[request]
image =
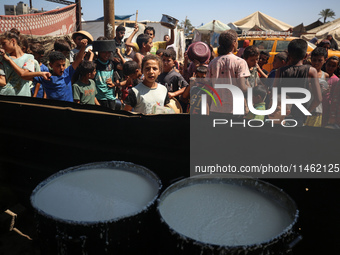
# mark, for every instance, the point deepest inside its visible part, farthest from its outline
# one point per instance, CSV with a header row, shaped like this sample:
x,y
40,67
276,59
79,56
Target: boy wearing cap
x,y
77,37
105,76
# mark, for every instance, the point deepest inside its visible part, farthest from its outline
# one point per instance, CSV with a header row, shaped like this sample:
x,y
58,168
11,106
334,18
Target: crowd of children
x,y
146,76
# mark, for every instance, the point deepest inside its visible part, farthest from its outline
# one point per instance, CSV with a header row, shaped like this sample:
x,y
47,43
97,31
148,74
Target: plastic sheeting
x,y
263,21
321,32
210,32
213,26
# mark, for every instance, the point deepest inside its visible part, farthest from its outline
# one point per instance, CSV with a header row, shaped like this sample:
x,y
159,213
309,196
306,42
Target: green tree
x,y
186,26
327,13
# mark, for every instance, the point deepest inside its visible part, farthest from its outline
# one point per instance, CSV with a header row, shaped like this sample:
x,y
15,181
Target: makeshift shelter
x,y
210,32
320,32
313,25
299,30
262,21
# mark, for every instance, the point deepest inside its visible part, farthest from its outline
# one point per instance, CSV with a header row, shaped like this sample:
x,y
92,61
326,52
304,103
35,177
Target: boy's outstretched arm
x,y
129,40
2,81
80,55
172,38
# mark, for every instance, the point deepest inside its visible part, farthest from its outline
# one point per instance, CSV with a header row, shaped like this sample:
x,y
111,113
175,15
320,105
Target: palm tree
x,y
327,13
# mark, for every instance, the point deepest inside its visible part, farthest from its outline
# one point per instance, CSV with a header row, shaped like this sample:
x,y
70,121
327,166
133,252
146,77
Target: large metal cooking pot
x,y
104,45
169,21
226,216
97,208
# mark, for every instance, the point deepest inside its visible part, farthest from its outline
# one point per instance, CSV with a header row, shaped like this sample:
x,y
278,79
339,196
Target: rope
x,y
12,228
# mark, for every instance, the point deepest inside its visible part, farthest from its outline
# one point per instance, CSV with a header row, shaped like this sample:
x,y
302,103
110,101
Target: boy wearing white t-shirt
x,y
149,93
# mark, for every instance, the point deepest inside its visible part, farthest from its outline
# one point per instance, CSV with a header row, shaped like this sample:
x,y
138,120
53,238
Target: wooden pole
x,y
78,15
109,19
136,16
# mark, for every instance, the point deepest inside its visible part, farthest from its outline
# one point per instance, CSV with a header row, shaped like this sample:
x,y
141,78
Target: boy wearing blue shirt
x,y
59,86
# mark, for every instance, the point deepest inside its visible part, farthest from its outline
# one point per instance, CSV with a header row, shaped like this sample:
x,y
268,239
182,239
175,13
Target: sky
x,y
292,12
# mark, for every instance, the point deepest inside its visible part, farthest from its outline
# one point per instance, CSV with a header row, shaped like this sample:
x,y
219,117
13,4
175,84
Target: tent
x,y
313,25
210,32
321,32
213,26
299,30
262,21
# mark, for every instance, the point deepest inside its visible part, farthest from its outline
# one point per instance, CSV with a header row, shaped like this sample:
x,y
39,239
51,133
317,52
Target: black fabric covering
x,y
40,137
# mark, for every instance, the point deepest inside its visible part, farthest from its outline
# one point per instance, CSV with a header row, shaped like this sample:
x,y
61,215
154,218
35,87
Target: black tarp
x,y
40,137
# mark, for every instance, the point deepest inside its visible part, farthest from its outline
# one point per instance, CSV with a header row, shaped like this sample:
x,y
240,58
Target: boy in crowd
x,y
104,80
173,81
263,60
251,56
149,93
318,59
151,32
59,86
259,95
280,60
84,89
133,77
38,52
297,52
193,92
227,67
77,37
64,47
144,42
118,56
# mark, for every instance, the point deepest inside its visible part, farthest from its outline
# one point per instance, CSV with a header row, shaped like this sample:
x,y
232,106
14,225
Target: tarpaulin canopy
x,y
119,17
213,26
313,25
320,32
261,20
210,32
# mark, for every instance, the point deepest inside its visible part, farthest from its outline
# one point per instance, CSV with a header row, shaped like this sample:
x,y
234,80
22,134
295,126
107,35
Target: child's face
x,y
277,63
257,99
263,60
151,71
168,64
148,45
58,67
331,66
93,74
317,62
137,74
120,35
104,55
150,33
8,45
252,61
37,56
77,40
